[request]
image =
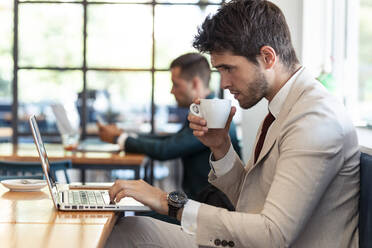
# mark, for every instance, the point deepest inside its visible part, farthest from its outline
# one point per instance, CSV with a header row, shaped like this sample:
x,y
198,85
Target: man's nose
x,y
225,82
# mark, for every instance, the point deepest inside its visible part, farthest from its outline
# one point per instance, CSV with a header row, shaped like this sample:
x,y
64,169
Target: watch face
x,y
178,197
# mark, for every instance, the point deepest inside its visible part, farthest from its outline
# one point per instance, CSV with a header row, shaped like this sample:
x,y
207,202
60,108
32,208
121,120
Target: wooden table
x,y
80,160
29,219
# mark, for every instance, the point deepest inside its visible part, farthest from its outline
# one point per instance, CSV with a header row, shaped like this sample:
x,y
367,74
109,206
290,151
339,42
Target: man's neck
x,y
282,77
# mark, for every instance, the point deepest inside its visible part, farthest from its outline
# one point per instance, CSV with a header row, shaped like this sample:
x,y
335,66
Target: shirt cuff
x,y
225,164
189,217
121,140
123,137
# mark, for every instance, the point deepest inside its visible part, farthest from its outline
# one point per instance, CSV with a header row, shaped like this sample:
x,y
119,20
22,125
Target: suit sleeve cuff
x,y
189,217
225,164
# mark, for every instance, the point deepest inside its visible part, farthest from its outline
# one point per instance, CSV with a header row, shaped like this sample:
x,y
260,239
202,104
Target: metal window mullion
x,y
15,75
119,3
151,164
84,109
89,69
153,70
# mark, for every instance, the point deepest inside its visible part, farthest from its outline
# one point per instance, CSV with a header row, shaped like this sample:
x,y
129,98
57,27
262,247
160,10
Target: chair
x,y
31,170
365,201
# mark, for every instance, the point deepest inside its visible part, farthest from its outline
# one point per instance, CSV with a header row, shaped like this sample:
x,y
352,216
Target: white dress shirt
x,y
224,165
123,137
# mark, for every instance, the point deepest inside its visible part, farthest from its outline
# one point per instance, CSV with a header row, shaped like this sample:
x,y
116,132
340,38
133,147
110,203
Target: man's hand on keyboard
x,y
143,192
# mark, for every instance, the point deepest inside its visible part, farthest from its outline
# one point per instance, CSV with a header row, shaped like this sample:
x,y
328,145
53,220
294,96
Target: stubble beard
x,y
255,91
184,102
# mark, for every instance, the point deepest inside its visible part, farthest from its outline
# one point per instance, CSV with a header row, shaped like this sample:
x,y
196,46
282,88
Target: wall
x,y
293,11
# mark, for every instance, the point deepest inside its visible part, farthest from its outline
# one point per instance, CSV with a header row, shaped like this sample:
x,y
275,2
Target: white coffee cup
x,y
70,141
214,111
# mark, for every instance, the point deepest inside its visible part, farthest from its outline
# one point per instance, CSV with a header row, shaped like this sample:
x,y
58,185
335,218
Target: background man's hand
x,y
108,133
143,192
218,140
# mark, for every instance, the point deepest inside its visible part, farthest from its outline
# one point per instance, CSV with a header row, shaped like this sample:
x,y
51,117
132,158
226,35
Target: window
x,y
352,57
6,68
108,58
365,61
337,45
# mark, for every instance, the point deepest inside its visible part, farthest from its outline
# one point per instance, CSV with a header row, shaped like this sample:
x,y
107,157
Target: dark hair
x,y
191,65
243,27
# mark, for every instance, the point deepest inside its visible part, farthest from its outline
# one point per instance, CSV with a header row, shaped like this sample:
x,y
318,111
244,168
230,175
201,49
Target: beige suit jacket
x,y
303,191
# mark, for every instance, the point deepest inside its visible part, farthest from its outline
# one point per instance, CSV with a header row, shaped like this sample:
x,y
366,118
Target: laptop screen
x,y
51,181
67,121
128,203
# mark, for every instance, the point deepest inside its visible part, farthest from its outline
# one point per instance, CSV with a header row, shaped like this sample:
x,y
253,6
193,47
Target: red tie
x,y
265,126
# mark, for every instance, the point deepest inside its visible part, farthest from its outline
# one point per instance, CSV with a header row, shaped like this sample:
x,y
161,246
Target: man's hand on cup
x,y
143,192
108,133
218,140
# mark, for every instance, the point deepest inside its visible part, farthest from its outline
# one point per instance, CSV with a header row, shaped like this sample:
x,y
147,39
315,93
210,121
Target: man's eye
x,y
227,68
224,69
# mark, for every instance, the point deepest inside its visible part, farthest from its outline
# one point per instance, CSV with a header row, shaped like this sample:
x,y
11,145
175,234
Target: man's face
x,y
244,79
181,89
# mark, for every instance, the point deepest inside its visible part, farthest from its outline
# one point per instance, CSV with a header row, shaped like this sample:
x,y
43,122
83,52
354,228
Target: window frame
x,y
84,68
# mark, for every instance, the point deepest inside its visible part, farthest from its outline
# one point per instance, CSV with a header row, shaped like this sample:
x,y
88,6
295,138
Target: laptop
x,y
78,200
67,126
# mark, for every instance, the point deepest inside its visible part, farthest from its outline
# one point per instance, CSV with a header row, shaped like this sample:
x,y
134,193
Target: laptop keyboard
x,y
87,197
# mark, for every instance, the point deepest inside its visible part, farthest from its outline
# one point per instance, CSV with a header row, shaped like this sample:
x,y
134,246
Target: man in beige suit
x,y
301,186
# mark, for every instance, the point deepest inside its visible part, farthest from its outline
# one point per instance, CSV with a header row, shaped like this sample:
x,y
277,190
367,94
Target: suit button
x,y
231,243
217,242
224,243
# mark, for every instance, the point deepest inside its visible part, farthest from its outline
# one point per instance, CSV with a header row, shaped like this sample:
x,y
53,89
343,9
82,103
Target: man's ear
x,y
268,57
196,81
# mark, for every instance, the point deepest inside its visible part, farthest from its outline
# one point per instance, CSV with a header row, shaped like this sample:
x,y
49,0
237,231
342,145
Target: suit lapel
x,y
272,134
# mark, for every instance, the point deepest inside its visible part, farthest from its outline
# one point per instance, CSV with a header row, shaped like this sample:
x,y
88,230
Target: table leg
x,y
151,176
83,176
137,173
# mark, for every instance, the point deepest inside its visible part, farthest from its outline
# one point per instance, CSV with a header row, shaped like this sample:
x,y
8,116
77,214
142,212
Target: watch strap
x,y
172,211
